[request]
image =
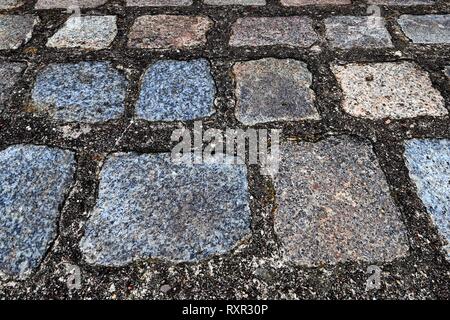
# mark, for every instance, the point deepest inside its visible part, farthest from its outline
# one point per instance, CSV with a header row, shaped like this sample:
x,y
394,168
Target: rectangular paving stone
x,y
34,183
10,4
394,90
235,2
271,89
88,92
402,2
293,31
150,207
16,30
10,73
314,2
68,4
177,90
334,204
432,28
158,3
169,32
347,32
88,32
428,163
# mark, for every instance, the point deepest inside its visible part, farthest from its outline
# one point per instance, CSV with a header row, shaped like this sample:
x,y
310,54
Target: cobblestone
x,y
388,90
10,4
16,30
273,90
314,2
289,31
83,92
177,90
189,212
431,28
9,75
402,2
34,182
428,163
334,205
236,2
158,3
67,4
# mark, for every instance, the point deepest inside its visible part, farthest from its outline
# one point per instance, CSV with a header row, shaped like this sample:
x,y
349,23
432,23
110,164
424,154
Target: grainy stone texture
x,y
9,75
177,90
236,2
66,4
428,163
10,4
34,182
402,2
447,72
314,2
273,90
388,90
347,32
150,207
431,28
88,32
83,92
169,32
16,30
334,205
158,3
267,31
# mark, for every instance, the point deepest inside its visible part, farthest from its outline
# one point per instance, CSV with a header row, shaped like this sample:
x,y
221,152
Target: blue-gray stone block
x,y
177,90
33,183
150,207
87,92
428,162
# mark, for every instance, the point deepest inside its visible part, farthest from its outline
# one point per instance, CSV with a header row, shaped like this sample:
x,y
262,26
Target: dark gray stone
x,y
432,28
149,206
10,73
34,182
16,30
82,92
177,90
428,162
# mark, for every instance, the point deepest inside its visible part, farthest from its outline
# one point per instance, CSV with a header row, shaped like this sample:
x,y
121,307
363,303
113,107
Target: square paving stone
x,y
34,183
169,32
428,162
10,4
82,92
16,30
273,90
347,32
89,32
314,2
10,73
150,207
334,204
68,4
289,31
431,28
393,90
402,2
236,2
158,3
177,90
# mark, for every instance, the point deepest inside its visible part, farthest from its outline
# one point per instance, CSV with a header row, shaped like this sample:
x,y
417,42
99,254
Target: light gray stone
x,y
34,183
402,2
447,72
432,28
158,3
68,4
83,92
16,30
88,32
10,73
393,90
296,3
428,162
273,90
334,204
10,4
150,207
236,2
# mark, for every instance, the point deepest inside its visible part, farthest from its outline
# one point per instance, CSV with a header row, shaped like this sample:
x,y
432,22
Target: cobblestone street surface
x,y
92,205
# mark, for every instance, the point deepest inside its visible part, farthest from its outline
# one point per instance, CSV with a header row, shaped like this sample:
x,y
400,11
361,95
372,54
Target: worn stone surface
x,y
431,28
150,207
158,3
16,30
67,4
334,204
428,162
9,75
314,2
10,4
236,2
88,32
273,90
177,90
447,72
402,2
290,31
347,32
393,90
34,183
169,32
83,92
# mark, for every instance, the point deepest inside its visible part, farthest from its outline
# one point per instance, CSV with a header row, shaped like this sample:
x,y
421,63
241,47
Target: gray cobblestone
x,y
67,4
16,30
295,3
427,28
10,4
158,3
9,75
402,2
236,2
